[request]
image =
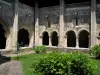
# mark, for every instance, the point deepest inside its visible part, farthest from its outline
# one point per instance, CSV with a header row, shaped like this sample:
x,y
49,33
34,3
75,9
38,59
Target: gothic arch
x,y
71,38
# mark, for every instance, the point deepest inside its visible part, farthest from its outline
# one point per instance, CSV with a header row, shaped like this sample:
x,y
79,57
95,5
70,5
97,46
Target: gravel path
x,y
11,68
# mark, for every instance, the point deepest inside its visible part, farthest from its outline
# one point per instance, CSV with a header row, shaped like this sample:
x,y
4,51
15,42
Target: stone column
x,y
93,22
89,41
36,24
61,24
77,41
15,25
50,41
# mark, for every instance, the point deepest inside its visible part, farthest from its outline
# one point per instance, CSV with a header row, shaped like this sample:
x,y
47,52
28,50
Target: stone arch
x,y
81,30
45,40
5,26
54,38
71,39
31,33
23,37
28,29
4,33
83,39
44,32
54,31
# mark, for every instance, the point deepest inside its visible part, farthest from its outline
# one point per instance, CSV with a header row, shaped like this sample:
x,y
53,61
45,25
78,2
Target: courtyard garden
x,y
60,63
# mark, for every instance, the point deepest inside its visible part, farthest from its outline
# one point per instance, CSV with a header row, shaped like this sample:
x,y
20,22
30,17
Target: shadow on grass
x,y
4,59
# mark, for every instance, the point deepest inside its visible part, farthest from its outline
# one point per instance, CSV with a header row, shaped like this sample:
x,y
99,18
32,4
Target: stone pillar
x,y
36,24
77,41
65,41
31,42
93,22
15,25
40,40
61,24
50,41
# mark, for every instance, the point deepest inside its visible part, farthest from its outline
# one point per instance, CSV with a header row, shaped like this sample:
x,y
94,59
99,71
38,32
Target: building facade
x,y
75,25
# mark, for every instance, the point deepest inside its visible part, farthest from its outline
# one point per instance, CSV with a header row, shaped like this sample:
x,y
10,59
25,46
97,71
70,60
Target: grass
x,y
28,60
97,63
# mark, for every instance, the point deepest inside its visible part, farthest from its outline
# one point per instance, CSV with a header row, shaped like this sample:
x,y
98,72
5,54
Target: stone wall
x,y
84,15
26,21
48,20
49,15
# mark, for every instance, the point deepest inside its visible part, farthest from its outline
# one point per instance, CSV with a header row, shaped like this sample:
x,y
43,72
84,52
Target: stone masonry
x,y
61,19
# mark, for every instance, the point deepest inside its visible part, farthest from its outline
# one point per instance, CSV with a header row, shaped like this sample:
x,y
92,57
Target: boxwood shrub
x,y
40,49
65,64
96,51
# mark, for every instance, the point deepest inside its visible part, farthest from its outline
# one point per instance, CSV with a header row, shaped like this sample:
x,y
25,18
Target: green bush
x,y
65,64
96,51
40,49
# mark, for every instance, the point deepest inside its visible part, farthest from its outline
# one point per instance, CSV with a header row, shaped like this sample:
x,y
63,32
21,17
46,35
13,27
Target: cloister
x,y
59,23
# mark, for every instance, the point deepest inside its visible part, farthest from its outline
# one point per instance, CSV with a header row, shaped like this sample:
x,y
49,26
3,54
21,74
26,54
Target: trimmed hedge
x,y
96,51
65,64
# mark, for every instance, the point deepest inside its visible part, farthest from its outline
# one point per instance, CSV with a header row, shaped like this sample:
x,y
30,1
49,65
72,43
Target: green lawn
x,y
28,60
97,63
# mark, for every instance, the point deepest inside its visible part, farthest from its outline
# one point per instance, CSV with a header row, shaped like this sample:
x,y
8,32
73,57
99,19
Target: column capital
x,y
89,36
65,36
41,36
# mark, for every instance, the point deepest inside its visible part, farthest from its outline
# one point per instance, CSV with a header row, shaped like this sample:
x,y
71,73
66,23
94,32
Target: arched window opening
x,y
84,39
45,40
2,38
23,37
54,39
71,39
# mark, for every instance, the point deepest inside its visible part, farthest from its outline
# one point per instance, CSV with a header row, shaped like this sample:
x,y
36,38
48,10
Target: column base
x,y
77,47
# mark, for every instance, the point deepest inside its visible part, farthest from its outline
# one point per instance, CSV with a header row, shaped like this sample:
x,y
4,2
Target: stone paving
x,y
11,68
